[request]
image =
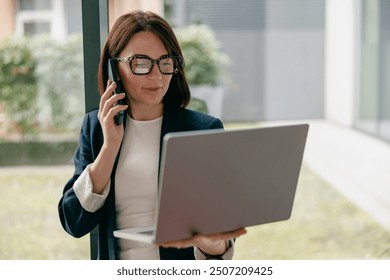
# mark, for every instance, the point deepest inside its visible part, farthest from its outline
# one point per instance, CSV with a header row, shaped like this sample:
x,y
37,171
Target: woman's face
x,y
144,90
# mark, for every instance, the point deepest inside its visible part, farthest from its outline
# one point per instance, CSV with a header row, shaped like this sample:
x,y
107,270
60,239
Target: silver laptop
x,y
215,181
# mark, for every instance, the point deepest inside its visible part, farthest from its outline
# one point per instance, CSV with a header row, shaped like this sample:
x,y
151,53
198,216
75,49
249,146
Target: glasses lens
x,y
167,65
143,65
140,65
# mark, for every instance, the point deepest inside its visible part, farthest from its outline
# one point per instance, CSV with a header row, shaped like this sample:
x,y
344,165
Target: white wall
x,y
117,8
341,53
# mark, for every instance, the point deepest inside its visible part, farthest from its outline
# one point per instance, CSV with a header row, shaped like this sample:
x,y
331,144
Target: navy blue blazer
x,y
79,222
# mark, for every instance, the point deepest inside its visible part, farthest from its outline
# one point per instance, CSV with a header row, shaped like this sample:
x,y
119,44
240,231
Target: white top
x,y
136,184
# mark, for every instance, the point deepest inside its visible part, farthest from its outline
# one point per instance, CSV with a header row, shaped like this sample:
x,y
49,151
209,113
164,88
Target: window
x,y
31,5
267,41
40,16
33,28
373,109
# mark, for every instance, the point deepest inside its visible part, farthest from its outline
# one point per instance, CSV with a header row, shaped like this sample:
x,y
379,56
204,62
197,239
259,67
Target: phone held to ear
x,y
113,76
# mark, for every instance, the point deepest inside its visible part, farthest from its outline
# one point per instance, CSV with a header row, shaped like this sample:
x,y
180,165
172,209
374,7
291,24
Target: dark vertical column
x,y
95,30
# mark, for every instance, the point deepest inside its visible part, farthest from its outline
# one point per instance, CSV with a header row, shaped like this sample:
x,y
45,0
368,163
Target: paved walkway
x,y
356,164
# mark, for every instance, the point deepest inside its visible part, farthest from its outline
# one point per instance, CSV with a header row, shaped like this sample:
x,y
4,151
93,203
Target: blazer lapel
x,y
172,122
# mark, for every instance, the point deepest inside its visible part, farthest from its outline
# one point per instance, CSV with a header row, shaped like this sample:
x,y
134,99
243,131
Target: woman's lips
x,y
153,88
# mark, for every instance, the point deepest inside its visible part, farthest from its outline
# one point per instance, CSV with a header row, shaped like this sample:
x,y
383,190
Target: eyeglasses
x,y
143,64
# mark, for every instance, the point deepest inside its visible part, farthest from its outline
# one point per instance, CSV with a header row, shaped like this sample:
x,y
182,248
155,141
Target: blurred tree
x,y
61,80
205,66
204,61
18,84
42,83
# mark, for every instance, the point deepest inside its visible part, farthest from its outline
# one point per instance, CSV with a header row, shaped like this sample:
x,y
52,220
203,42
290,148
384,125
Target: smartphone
x,y
113,76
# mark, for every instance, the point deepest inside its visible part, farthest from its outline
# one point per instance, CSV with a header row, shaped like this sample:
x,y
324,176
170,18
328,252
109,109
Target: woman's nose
x,y
155,73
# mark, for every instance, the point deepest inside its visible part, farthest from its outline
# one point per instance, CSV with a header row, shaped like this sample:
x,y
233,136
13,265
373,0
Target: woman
x,y
116,166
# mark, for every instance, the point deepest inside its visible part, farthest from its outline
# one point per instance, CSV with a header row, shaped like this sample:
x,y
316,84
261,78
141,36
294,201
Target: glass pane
x,y
41,110
373,112
34,28
384,122
263,42
31,5
368,99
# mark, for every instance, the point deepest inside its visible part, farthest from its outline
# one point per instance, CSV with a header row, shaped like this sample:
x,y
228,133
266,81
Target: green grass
x,y
30,227
323,225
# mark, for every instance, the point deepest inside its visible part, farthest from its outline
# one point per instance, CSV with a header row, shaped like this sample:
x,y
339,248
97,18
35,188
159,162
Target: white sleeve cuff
x,y
228,255
90,201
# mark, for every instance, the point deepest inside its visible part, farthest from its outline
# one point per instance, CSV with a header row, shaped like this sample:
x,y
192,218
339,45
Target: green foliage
x,y
39,72
205,63
199,105
61,79
61,76
36,153
18,83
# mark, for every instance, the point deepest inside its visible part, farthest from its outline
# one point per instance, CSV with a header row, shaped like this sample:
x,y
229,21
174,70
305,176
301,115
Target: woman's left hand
x,y
213,244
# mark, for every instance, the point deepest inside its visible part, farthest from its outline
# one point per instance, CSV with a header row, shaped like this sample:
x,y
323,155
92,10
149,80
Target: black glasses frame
x,y
176,60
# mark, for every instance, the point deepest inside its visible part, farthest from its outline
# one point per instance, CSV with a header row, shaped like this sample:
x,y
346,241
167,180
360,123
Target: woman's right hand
x,y
101,168
112,132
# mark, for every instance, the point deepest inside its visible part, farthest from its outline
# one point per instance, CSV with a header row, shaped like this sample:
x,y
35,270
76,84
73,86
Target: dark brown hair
x,y
178,94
